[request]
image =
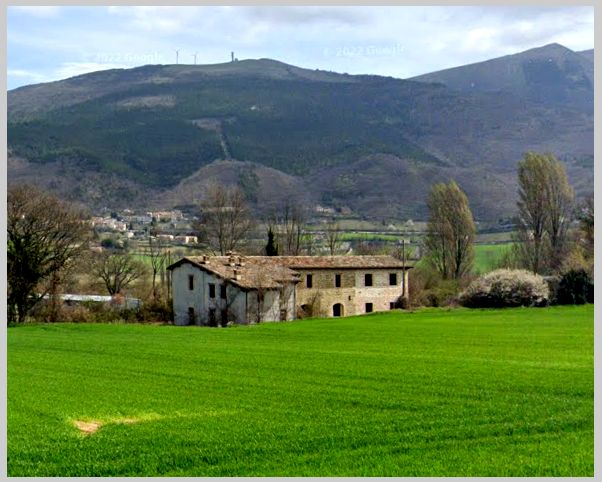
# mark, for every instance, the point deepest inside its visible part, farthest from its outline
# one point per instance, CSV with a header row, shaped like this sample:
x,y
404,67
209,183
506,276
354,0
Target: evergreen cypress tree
x,y
271,248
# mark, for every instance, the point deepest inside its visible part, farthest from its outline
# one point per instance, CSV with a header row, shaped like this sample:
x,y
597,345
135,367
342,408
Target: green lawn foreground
x,y
432,393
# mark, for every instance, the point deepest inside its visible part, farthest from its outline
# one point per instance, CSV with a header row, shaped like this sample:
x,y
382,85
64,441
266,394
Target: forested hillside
x,y
373,144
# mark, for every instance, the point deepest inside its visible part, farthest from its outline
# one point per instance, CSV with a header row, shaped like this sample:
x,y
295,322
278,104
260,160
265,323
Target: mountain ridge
x,y
321,136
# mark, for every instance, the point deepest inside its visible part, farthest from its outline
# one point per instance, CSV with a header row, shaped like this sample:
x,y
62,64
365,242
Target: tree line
x,y
542,243
48,238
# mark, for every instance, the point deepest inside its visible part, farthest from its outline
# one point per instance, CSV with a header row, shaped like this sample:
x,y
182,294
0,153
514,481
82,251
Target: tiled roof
x,y
245,272
339,262
271,271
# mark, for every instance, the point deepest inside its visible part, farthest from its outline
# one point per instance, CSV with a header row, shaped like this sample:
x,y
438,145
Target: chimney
x,y
237,275
241,261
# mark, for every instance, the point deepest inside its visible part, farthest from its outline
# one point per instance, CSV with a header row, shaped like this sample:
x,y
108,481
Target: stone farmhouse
x,y
215,290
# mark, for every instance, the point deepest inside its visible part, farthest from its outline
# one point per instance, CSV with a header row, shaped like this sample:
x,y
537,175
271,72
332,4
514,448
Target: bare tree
x,y
117,271
44,236
158,258
559,198
586,225
289,225
225,218
450,232
544,206
333,237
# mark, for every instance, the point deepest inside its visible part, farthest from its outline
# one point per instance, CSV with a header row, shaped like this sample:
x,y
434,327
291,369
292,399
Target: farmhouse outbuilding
x,y
214,290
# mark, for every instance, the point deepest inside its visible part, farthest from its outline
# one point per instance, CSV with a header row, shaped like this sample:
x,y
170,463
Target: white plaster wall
x,y
198,298
271,305
183,297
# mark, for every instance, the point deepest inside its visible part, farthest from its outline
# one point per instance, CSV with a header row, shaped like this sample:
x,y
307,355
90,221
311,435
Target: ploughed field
x,y
431,393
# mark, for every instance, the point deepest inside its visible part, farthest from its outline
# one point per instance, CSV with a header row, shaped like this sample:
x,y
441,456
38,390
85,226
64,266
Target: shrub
x,y
575,288
156,310
426,288
553,282
506,288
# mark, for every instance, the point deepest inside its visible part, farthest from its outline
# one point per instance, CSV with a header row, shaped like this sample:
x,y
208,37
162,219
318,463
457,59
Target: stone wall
x,y
353,295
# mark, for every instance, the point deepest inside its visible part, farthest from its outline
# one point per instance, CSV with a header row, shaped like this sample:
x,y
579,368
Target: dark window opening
x,y
309,281
337,309
367,280
306,311
190,282
191,317
393,279
369,308
211,290
212,319
222,292
337,280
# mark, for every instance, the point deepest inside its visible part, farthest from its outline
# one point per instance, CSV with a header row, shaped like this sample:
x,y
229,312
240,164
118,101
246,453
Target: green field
x,y
487,256
431,393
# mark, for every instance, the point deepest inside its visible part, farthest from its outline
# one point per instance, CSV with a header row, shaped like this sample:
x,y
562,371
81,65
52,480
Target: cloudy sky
x,y
51,43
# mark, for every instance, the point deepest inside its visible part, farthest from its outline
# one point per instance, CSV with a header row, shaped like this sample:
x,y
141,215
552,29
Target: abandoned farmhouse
x,y
216,290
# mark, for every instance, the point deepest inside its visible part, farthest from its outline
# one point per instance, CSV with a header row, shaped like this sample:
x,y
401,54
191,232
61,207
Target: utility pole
x,y
403,264
177,56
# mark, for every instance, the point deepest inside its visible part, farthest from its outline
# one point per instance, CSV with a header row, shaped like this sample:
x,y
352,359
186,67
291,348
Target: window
x,y
222,292
369,308
393,279
337,280
211,290
190,282
367,279
337,309
309,281
191,317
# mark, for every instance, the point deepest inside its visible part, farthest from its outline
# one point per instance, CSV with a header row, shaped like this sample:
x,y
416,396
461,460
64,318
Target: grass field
x,y
487,256
498,392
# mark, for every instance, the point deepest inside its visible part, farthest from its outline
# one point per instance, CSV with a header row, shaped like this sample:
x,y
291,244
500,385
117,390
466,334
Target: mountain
x,y
550,75
155,135
588,54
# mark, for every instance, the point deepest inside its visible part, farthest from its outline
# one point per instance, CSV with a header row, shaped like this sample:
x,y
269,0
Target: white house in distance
x,y
213,290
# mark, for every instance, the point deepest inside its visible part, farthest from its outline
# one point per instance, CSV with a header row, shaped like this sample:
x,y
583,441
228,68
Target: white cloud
x,y
28,75
401,41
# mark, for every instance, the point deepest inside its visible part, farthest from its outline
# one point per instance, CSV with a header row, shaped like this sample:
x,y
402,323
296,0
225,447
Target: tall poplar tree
x,y
451,231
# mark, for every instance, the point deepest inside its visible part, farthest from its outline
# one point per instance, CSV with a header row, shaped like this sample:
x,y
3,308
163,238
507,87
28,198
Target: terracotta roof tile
x,y
249,274
271,272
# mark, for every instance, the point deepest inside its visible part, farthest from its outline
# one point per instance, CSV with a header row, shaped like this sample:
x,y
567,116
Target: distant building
x,y
221,289
117,301
186,239
166,216
108,224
